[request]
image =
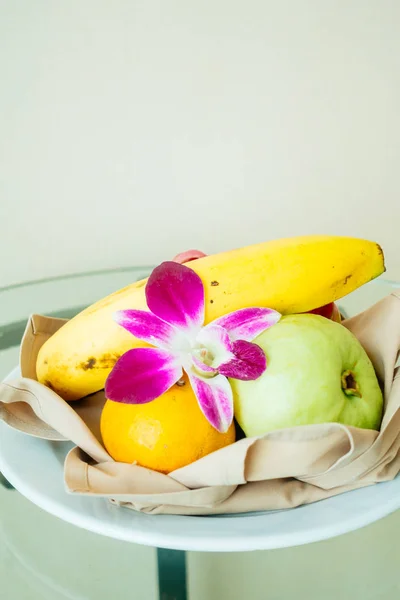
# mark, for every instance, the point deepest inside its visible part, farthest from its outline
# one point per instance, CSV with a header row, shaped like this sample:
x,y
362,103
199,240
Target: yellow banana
x,y
290,275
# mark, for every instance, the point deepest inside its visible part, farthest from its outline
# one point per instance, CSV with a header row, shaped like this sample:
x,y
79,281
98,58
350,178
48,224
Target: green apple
x,y
317,372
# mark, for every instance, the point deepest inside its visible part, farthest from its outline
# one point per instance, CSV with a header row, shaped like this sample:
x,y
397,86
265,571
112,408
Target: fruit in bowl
x,y
317,372
164,435
174,351
293,275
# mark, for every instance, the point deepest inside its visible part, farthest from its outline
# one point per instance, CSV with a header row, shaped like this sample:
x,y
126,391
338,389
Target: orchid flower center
x,y
206,356
200,355
208,353
203,361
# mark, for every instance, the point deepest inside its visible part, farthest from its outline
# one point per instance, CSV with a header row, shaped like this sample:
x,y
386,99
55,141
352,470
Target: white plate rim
x,y
206,533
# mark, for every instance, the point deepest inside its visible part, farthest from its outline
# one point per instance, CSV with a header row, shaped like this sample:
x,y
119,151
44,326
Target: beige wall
x,y
130,130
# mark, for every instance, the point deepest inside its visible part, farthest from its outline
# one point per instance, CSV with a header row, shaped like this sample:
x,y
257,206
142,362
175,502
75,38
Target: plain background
x,y
134,129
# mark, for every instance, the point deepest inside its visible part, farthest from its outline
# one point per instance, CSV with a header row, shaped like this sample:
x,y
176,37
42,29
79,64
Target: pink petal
x,y
175,293
147,327
215,400
247,323
189,255
217,342
249,363
141,375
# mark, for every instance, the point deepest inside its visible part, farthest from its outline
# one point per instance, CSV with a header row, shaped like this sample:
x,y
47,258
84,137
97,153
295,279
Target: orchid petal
x,y
215,399
247,323
216,341
249,363
141,375
189,255
147,327
175,293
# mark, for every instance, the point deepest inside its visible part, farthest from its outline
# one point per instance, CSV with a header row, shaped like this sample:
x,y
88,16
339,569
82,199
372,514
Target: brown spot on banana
x,y
347,278
89,364
106,361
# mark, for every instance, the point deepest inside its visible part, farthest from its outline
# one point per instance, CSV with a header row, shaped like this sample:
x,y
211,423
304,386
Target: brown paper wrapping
x,y
280,470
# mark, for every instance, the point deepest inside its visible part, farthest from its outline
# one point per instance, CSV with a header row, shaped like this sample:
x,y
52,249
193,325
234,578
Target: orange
x,y
163,435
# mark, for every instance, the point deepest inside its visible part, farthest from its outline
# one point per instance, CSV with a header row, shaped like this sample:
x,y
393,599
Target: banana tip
x,y
382,255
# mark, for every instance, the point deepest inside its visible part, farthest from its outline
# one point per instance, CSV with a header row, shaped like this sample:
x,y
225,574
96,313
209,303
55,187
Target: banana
x,y
290,275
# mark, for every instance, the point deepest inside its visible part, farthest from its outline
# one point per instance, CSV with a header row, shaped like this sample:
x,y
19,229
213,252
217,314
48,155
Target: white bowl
x,y
21,455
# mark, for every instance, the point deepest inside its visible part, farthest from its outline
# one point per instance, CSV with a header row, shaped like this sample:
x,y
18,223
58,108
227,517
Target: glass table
x,y
44,557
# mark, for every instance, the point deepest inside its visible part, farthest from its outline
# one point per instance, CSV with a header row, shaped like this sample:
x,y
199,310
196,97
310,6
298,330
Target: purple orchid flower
x,y
209,354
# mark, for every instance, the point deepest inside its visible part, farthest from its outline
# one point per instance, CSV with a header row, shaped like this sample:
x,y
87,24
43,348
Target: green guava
x,y
317,372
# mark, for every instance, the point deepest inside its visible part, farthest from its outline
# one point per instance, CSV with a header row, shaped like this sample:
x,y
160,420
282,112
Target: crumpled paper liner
x,y
282,469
